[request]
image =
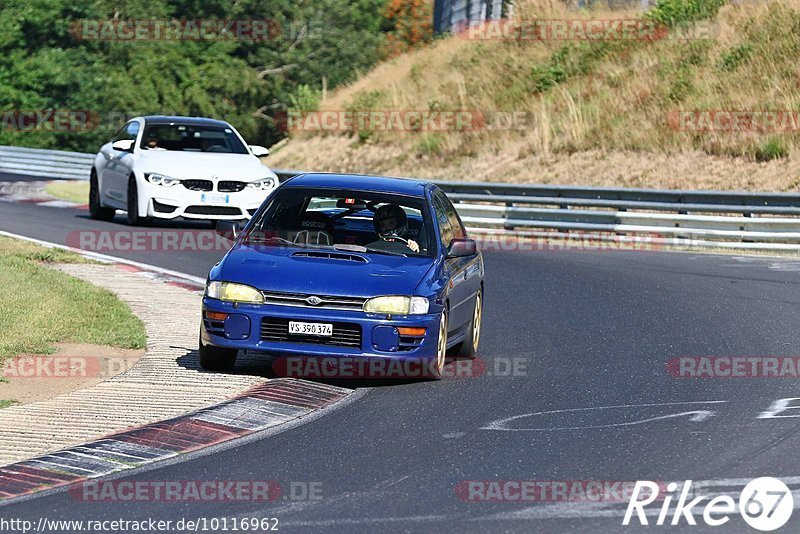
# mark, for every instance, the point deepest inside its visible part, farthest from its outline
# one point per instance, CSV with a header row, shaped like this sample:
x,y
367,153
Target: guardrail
x,y
719,219
45,163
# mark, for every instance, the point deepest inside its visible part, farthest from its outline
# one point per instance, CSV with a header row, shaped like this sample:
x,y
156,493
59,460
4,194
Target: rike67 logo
x,y
765,503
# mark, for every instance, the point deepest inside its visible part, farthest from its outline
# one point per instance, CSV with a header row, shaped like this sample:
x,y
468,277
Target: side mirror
x,y
125,145
259,151
227,229
460,248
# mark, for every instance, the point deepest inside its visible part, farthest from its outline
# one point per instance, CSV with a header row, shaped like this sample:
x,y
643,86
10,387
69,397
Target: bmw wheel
x,y
96,209
133,205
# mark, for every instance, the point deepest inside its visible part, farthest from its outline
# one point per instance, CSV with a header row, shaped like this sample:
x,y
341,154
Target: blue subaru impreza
x,y
346,267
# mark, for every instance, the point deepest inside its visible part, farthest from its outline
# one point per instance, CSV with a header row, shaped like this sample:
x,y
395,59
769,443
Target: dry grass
x,y
72,191
604,121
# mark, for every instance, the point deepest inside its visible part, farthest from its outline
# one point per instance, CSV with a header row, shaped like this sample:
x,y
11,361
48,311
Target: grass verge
x,y
71,191
40,306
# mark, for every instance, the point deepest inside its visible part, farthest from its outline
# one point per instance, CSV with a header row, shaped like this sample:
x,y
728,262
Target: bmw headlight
x,y
397,305
160,179
267,184
230,292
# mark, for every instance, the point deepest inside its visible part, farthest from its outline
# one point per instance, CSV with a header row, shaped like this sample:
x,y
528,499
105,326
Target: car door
x,y
472,269
454,267
119,164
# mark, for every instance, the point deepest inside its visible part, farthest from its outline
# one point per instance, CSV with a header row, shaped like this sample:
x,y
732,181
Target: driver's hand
x,y
413,245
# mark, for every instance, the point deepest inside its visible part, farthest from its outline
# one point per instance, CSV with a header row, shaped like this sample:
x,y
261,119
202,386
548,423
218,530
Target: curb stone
x,y
166,383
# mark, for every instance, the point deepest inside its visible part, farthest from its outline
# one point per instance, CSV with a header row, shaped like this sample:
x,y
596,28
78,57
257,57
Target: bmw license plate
x,y
215,198
311,329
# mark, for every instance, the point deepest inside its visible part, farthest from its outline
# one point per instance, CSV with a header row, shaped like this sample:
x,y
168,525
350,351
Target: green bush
x,y
363,101
731,59
304,98
671,13
772,149
430,144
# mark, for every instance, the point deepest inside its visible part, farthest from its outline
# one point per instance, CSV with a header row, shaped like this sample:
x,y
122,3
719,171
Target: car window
x,y
192,138
445,226
455,222
128,132
321,218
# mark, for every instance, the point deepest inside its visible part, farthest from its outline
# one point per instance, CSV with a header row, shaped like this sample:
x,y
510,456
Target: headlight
x,y
231,292
266,184
160,179
397,305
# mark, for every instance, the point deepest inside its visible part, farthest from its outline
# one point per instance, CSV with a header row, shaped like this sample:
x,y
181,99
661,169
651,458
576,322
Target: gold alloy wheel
x,y
441,348
476,322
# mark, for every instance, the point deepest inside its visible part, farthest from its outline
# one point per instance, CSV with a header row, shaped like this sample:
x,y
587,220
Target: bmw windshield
x,y
192,138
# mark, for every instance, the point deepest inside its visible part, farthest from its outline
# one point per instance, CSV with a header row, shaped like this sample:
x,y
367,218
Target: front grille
x,y
231,187
325,301
212,210
344,334
198,185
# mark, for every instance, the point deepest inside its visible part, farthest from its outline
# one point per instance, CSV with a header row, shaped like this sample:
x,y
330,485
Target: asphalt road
x,y
591,334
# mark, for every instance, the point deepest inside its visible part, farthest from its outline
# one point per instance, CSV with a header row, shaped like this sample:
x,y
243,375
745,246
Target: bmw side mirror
x,y
259,151
460,248
125,145
228,229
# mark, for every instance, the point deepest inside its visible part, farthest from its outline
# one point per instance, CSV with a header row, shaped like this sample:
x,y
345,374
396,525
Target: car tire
x,y
440,358
133,205
217,359
96,209
469,347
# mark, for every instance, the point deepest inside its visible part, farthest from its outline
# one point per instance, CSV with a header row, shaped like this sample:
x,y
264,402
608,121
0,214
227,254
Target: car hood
x,y
195,165
284,269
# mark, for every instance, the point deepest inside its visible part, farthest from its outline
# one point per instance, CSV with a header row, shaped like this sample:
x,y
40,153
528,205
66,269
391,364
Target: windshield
x,y
344,220
192,138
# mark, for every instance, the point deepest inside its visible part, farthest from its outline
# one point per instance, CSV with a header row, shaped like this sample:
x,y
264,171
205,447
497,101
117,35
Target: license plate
x,y
212,198
310,329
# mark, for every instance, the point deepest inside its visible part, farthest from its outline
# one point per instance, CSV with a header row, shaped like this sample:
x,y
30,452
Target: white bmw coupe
x,y
166,167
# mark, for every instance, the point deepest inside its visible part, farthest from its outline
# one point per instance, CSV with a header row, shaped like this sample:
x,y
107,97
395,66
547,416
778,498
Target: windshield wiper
x,y
350,248
387,252
272,239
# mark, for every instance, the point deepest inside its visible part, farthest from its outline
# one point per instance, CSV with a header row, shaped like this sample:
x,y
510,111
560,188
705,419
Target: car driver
x,y
391,225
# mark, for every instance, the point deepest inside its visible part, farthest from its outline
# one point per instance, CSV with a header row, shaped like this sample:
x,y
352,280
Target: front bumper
x,y
177,201
245,330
